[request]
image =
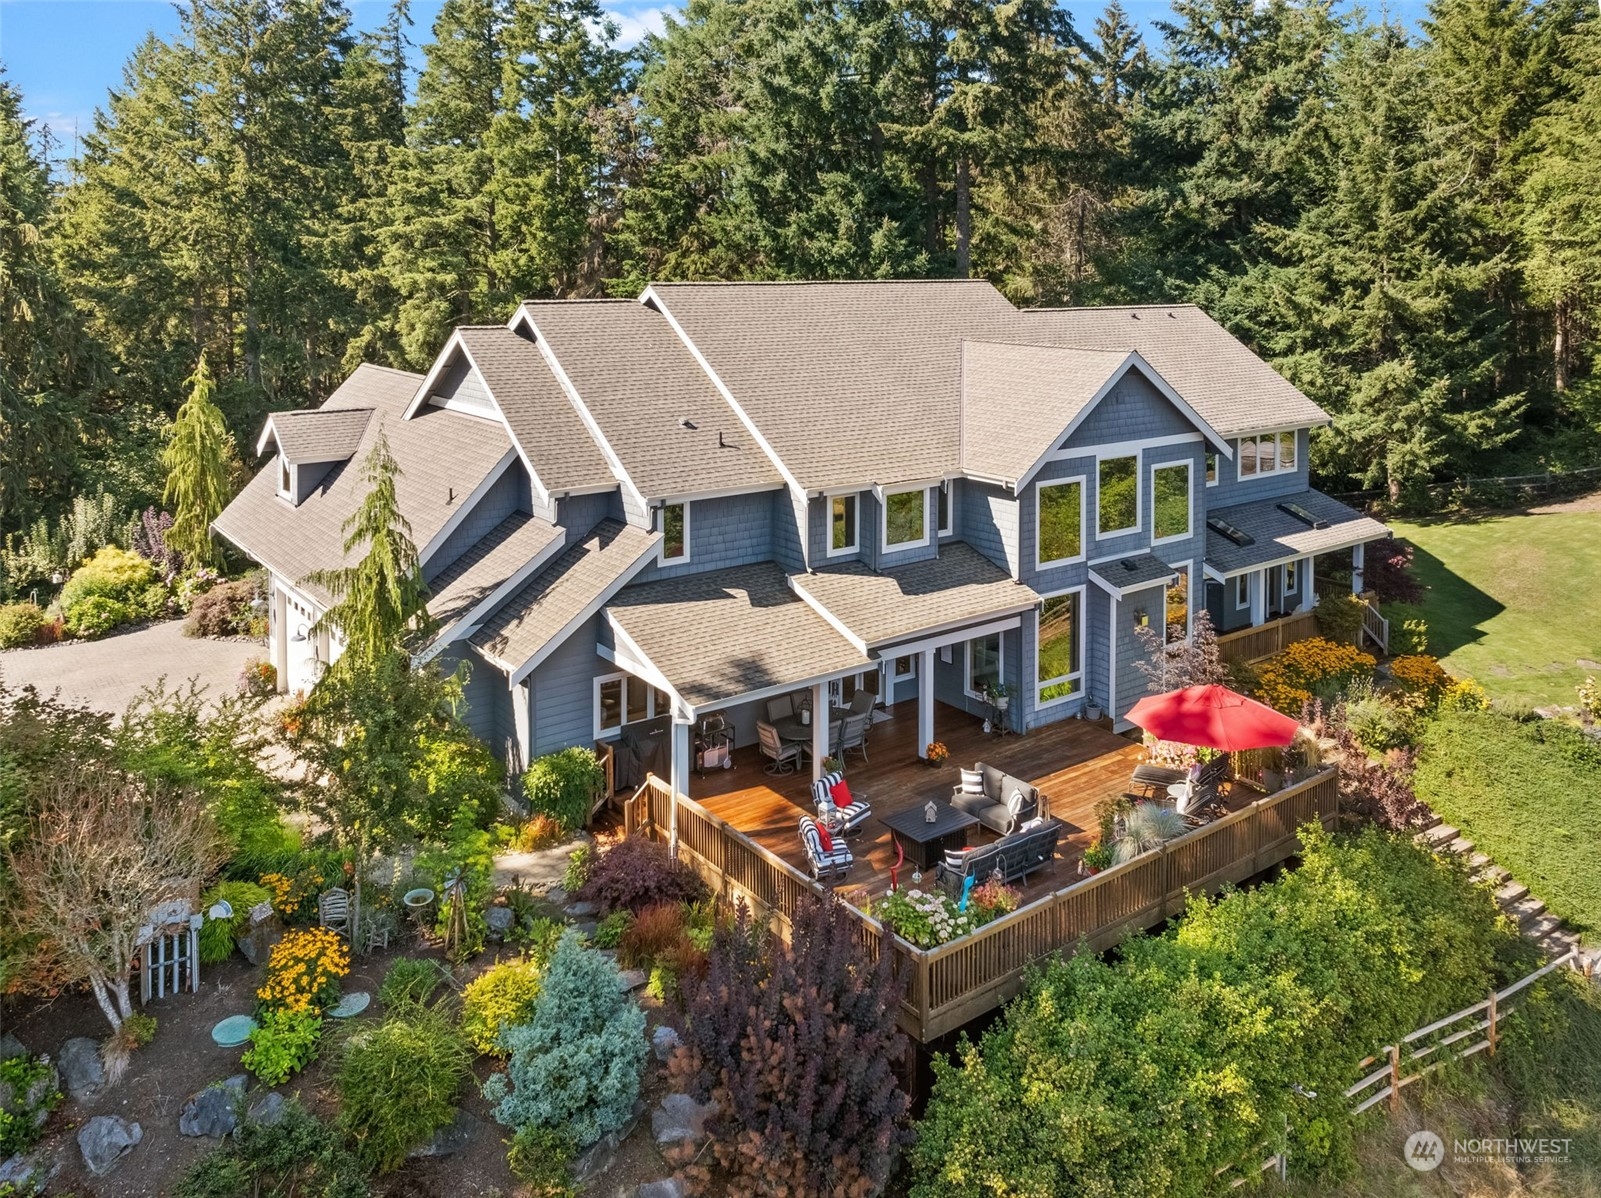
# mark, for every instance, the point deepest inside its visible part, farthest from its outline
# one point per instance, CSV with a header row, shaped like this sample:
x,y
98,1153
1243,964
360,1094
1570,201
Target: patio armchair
x,y
824,863
784,756
333,910
780,708
852,735
843,819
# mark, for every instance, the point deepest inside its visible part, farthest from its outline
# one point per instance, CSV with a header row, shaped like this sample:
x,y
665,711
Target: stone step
x,y
1461,846
1494,875
1438,835
1429,820
1541,926
1480,861
1526,910
1559,942
1511,892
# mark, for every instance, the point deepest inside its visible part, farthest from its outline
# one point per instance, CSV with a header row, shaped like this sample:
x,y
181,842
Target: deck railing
x,y
953,983
1253,644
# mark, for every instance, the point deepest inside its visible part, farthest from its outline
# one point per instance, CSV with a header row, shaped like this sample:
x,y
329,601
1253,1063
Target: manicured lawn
x,y
1529,795
1514,599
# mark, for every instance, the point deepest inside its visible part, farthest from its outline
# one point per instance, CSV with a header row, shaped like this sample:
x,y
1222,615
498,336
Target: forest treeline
x,y
1407,225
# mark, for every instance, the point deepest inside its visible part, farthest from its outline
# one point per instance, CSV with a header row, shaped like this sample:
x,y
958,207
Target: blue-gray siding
x,y
1134,410
989,521
460,384
731,530
511,492
563,687
1231,489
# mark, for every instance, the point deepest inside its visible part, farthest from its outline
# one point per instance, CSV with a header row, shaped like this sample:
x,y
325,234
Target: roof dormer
x,y
310,444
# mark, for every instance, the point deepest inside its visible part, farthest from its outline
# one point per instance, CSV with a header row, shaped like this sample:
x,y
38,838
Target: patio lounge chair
x,y
1001,802
847,819
1152,781
1014,857
852,735
1201,786
786,756
824,863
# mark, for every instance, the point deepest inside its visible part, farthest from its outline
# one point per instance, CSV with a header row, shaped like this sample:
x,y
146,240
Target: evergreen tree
x,y
376,600
196,459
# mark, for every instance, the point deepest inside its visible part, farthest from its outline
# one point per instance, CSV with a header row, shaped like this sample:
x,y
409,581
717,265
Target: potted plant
x,y
833,765
1096,858
936,753
999,696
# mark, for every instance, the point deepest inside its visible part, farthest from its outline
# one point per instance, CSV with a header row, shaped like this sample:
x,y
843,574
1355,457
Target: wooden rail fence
x,y
1253,644
954,983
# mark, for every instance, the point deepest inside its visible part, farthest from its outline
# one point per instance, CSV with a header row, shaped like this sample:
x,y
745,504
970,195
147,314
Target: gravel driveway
x,y
107,674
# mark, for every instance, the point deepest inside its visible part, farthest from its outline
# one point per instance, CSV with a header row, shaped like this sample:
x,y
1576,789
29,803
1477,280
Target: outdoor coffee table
x,y
924,842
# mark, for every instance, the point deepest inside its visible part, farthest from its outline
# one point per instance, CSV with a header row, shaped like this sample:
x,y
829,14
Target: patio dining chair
x,y
784,756
852,735
862,702
833,862
333,910
845,819
780,708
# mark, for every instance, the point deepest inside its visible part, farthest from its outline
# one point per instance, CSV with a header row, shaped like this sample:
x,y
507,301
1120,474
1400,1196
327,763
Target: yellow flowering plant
x,y
303,972
1290,680
1422,678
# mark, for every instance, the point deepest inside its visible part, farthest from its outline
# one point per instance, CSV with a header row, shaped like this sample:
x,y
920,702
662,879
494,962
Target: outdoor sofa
x,y
1014,857
1001,803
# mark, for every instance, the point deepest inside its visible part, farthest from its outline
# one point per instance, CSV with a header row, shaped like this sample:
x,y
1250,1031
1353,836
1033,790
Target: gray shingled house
x,y
656,510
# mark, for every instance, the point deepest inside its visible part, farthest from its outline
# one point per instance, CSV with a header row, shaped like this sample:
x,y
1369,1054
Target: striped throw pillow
x,y
972,782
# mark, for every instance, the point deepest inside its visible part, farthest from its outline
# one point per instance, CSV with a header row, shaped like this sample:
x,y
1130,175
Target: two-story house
x,y
685,505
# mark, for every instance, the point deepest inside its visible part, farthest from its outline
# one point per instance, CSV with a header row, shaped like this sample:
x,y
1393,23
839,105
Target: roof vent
x,y
1134,315
1224,529
1300,513
685,422
721,444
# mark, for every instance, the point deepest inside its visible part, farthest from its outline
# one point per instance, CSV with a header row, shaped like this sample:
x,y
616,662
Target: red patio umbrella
x,y
1213,717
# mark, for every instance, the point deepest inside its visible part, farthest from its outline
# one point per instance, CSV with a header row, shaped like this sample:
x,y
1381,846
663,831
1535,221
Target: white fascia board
x,y
889,649
466,506
772,692
474,619
723,493
539,486
628,654
269,432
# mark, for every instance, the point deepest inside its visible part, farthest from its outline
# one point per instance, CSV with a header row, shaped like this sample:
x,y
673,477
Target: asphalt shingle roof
x,y
879,607
487,565
544,607
1278,535
1136,570
640,383
317,434
727,633
541,417
442,457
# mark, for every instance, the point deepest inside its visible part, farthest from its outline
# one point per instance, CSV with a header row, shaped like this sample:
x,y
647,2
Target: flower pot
x,y
1092,712
1002,702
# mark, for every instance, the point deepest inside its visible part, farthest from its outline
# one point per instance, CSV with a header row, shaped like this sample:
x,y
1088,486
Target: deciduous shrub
x,y
1339,618
411,981
21,624
1288,984
1409,636
91,618
798,1047
1309,669
283,1044
460,782
500,997
609,931
297,1157
637,873
218,936
564,785
1378,724
923,918
224,610
575,1065
579,862
111,573
398,1083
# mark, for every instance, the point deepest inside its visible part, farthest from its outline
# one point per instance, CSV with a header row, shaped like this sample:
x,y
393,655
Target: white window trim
x,y
1139,506
895,675
949,527
1289,570
967,662
1188,570
1278,460
1189,498
1078,674
828,524
883,521
1217,467
286,468
625,678
1245,580
661,527
1083,521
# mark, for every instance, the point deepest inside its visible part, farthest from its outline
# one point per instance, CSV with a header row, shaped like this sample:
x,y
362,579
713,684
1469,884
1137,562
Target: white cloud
x,y
634,24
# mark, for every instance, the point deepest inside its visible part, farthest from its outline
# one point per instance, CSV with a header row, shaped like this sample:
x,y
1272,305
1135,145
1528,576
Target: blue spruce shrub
x,y
575,1065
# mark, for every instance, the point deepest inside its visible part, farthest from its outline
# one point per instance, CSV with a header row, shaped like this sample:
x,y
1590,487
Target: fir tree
x,y
196,459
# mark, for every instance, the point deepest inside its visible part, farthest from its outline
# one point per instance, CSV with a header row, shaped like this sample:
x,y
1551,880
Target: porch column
x,y
819,728
1308,584
278,634
522,722
1357,561
925,701
1258,598
680,779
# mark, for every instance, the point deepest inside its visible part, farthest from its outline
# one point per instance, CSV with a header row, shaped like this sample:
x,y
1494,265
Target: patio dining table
x,y
790,727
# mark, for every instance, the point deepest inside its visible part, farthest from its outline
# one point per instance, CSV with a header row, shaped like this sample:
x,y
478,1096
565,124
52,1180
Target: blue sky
x,y
65,54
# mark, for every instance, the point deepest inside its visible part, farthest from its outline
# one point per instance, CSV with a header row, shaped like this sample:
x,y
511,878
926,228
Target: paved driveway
x,y
107,674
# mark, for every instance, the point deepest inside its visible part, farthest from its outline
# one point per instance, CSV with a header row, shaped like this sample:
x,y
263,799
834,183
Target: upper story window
x,y
674,527
1170,502
945,525
842,525
905,519
1268,453
1059,520
1211,469
286,479
1118,501
1178,609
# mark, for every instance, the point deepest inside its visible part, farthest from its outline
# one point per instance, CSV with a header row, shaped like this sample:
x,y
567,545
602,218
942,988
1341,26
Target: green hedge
x,y
1150,1075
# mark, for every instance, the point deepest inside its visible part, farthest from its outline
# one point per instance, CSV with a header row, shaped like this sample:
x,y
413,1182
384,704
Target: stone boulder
x,y
632,979
499,921
82,1071
680,1120
582,910
256,941
668,1187
28,1173
10,1047
663,1041
105,1140
267,1110
214,1111
449,1139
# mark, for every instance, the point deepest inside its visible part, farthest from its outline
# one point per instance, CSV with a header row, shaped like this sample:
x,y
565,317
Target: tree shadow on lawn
x,y
1455,609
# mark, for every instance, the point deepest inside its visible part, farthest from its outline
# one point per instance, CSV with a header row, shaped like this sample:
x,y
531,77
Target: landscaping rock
x,y
595,1159
582,910
213,1111
586,928
267,1110
499,921
680,1118
556,895
668,1187
632,979
27,1173
449,1139
662,1041
105,1140
10,1047
257,941
82,1072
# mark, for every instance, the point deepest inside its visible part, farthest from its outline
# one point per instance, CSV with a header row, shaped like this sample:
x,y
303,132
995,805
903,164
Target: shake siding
x,y
1097,630
787,516
636,515
1131,684
732,530
511,492
883,558
309,474
460,382
989,523
577,514
1134,411
1231,489
564,692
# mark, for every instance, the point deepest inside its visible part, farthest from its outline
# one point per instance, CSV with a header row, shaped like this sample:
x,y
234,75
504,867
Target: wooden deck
x,y
1075,765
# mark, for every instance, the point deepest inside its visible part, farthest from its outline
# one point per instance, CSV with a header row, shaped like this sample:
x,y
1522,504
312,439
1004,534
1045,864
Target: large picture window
x,y
905,519
623,699
983,663
1118,504
1059,668
675,532
842,524
1177,621
1269,453
1170,491
1061,521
